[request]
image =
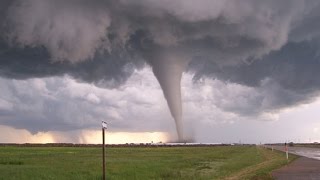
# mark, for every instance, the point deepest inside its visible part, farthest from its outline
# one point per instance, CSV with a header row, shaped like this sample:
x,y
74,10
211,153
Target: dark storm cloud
x,y
104,70
225,32
270,45
289,76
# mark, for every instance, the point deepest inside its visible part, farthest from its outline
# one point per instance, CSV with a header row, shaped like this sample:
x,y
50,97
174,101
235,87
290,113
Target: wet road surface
x,y
313,153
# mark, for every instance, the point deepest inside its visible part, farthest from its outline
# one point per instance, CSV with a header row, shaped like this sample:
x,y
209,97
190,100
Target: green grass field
x,y
224,162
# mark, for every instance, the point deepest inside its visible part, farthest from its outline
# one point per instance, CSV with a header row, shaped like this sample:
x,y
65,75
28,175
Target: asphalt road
x,y
306,167
313,153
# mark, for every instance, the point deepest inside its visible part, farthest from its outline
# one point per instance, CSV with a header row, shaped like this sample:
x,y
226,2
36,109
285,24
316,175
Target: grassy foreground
x,y
225,162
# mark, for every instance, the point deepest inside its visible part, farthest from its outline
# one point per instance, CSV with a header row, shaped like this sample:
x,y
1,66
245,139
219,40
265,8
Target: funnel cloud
x,y
270,46
168,71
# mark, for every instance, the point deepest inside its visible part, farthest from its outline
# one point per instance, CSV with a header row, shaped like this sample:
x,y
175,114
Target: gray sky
x,y
252,74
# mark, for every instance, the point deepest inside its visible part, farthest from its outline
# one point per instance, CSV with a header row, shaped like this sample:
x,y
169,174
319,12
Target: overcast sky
x,y
250,70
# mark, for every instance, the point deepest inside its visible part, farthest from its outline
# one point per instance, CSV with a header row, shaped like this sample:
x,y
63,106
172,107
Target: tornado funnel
x,y
169,71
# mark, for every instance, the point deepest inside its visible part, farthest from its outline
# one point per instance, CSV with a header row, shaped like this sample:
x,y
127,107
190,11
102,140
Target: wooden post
x,y
103,156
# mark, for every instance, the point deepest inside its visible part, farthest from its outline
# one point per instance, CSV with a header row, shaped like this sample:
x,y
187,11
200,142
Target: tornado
x,y
168,69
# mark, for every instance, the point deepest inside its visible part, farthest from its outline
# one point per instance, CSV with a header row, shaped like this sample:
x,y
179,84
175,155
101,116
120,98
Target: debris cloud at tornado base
x,y
99,41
